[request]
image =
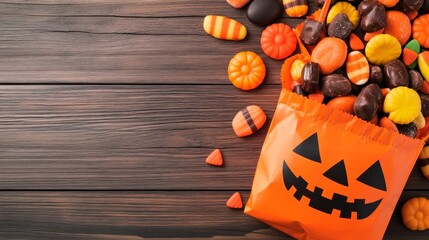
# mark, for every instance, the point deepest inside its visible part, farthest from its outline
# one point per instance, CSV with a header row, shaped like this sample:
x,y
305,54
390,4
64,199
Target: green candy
x,y
414,46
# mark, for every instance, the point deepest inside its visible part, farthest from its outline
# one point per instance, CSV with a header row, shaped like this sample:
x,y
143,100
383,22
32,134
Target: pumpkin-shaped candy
x,y
415,213
421,30
278,41
382,49
248,120
246,70
402,104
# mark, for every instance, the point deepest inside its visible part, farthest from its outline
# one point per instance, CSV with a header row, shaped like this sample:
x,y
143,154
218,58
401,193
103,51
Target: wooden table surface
x,y
107,112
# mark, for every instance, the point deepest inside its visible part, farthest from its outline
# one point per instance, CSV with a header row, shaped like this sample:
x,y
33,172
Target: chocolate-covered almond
x,y
373,15
410,5
335,85
395,74
409,129
340,27
311,31
310,77
416,80
368,102
376,75
425,104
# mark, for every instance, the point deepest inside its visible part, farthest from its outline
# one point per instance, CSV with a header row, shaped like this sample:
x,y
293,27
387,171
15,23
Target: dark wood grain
x,y
133,215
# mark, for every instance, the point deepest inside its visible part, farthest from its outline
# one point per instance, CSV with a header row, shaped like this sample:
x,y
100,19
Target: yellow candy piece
x,y
224,28
346,8
403,105
382,49
296,70
420,121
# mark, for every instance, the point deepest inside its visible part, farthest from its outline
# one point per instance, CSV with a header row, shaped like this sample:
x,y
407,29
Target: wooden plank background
x,y
107,112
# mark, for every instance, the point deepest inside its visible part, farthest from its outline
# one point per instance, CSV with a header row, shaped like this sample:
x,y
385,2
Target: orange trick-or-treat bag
x,y
325,174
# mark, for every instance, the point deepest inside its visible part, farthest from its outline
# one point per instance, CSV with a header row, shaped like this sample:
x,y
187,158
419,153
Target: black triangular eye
x,y
337,173
373,177
309,149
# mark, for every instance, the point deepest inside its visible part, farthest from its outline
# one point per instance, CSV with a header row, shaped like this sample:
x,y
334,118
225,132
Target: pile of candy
x,y
367,58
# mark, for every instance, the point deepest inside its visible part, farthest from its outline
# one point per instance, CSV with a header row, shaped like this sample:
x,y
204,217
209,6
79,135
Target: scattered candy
x,y
373,15
345,8
409,129
337,50
415,214
382,49
355,42
402,104
368,102
335,85
421,30
423,61
248,120
237,3
296,70
416,80
357,67
278,41
424,160
387,123
215,158
246,70
224,28
344,103
398,25
395,74
414,46
264,12
340,26
295,8
235,201
409,57
388,3
310,77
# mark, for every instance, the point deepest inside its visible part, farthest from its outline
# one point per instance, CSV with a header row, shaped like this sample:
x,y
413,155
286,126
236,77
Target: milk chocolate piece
x,y
298,90
395,74
376,75
335,85
425,104
311,31
368,102
409,5
373,15
409,129
340,27
310,77
264,12
416,80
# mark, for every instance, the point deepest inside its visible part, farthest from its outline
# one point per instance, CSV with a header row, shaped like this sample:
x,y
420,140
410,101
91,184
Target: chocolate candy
x,y
311,31
368,102
298,90
376,75
425,104
335,85
409,129
416,80
310,77
373,15
340,27
395,74
264,12
410,5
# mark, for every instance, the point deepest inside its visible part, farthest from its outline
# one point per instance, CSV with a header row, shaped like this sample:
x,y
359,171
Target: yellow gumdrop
x,y
346,8
402,104
296,70
382,49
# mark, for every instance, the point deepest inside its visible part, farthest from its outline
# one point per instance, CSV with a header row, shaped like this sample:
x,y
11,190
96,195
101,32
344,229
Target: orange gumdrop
x,y
398,25
344,103
330,53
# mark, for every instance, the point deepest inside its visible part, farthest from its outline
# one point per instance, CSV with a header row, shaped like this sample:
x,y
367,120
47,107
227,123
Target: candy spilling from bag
x,y
352,117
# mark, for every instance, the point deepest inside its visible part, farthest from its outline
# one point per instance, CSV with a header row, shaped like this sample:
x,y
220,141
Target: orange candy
x,y
421,30
215,158
370,35
248,120
412,15
355,42
330,53
357,67
398,25
344,103
278,41
388,3
246,70
415,214
387,123
408,56
235,201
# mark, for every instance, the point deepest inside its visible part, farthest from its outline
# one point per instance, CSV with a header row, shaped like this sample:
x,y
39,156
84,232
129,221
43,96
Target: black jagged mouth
x,y
326,205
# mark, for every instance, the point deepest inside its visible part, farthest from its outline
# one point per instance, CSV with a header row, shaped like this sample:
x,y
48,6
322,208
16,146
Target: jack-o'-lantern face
x,y
334,175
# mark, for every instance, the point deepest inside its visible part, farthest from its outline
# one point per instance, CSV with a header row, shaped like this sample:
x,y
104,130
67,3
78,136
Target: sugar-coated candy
x,y
340,27
235,201
388,3
296,70
421,30
237,3
423,160
343,103
368,102
403,105
373,15
395,74
423,61
246,70
337,50
296,8
346,8
355,42
424,98
278,41
311,31
357,68
398,25
382,48
310,77
415,213
248,120
413,46
335,85
376,75
224,28
409,129
215,158
410,5
264,12
416,80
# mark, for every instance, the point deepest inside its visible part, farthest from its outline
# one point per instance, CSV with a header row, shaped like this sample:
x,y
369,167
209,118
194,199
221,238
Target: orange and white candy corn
x,y
215,158
224,28
357,67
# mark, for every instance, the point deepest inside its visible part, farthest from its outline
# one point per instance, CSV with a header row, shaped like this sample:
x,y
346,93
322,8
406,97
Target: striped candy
x,y
224,28
296,8
248,120
357,68
424,160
